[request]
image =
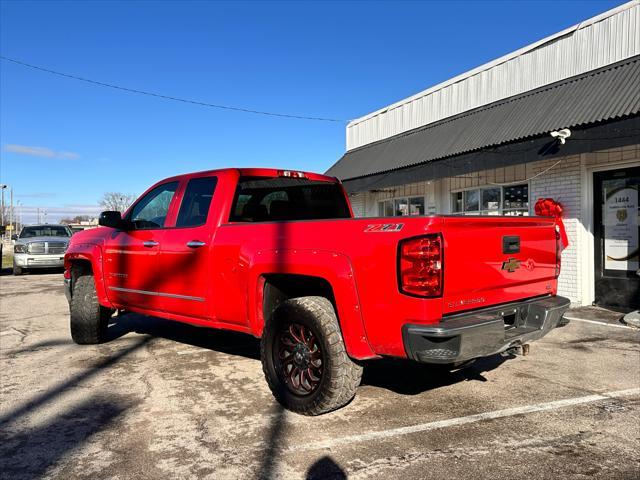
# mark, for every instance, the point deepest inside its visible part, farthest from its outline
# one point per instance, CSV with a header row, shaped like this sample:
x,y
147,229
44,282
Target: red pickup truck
x,y
278,255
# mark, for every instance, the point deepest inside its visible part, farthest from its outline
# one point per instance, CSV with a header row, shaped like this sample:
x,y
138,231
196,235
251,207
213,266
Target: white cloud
x,y
68,155
40,152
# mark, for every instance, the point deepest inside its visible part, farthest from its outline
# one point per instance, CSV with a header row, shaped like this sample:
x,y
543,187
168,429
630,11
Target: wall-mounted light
x,y
561,135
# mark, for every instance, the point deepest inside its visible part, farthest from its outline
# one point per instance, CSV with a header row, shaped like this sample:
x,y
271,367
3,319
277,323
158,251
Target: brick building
x,y
486,143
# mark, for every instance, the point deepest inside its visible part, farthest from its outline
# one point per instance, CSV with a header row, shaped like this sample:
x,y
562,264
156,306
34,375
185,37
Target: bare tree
x,y
116,201
76,219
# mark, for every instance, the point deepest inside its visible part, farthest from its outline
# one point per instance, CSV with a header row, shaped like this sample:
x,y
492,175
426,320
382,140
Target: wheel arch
x,y
87,258
291,274
280,287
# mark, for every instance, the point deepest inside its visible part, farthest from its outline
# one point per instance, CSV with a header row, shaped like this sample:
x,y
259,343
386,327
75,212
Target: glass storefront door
x,y
617,232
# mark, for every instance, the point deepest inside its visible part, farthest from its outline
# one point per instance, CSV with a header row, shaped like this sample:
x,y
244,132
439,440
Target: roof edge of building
x,y
483,108
501,155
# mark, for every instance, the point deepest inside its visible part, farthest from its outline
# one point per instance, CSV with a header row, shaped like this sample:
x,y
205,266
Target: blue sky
x,y
338,60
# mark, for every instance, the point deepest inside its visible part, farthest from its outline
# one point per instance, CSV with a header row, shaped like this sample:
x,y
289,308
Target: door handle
x,y
150,243
195,244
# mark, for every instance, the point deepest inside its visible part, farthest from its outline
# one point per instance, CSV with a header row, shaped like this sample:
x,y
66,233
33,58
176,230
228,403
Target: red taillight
x,y
67,273
420,266
558,251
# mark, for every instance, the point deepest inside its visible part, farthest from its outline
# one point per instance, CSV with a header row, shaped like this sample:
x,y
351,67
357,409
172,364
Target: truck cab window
x,y
266,199
196,201
276,198
45,231
151,210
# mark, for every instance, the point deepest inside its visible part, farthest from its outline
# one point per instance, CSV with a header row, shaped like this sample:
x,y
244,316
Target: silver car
x,y
40,246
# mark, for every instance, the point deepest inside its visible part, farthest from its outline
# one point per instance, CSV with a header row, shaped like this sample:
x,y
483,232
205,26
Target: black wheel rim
x,y
299,359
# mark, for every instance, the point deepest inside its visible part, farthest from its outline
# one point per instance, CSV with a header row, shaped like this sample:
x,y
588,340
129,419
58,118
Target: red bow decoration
x,y
548,207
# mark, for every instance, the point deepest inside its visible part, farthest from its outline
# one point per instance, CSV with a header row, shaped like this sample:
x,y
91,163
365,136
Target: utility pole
x,y
3,186
19,215
11,210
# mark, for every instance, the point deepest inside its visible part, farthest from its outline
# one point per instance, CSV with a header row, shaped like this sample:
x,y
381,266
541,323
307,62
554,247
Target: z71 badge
x,y
384,227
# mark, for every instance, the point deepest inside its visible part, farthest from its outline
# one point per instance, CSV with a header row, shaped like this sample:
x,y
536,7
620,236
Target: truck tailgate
x,y
492,260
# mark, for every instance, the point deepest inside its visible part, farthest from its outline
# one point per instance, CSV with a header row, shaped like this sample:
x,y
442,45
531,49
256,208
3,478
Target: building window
x,y
512,200
516,200
416,206
401,207
472,200
490,201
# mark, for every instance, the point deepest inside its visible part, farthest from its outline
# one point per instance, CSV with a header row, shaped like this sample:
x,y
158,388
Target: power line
x,y
168,97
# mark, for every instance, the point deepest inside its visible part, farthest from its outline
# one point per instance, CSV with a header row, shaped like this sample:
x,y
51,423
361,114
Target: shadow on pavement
x,y
411,378
274,442
27,453
224,341
400,376
40,346
325,469
51,394
30,453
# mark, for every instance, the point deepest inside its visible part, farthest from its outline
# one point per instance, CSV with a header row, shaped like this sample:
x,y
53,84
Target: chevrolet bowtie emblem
x,y
511,265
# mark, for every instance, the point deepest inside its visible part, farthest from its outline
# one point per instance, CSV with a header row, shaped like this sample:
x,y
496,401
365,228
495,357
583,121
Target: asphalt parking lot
x,y
164,400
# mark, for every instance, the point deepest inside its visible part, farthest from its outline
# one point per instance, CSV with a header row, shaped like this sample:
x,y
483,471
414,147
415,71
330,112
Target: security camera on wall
x,y
561,135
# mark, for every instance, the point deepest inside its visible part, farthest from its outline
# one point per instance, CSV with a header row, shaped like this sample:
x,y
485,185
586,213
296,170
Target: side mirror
x,y
14,237
111,219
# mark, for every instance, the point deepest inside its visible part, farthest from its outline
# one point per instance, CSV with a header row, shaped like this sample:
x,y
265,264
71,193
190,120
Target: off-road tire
x,y
89,319
341,375
17,270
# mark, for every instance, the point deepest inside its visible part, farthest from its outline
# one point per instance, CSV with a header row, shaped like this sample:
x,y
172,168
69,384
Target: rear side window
x,y
278,199
150,211
195,203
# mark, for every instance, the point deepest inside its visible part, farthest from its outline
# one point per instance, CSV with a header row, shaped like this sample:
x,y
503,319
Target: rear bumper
x,y
484,332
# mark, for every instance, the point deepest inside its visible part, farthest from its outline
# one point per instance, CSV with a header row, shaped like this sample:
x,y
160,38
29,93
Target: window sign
x,y
516,200
620,214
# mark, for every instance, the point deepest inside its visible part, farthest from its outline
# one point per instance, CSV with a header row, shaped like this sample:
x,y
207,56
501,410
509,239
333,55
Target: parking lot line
x,y
453,422
604,324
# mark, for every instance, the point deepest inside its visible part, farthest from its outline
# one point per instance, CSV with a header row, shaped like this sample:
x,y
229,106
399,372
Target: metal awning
x,y
602,95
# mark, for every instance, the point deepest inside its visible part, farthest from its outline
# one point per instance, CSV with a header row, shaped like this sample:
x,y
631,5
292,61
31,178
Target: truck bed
x,y
475,275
